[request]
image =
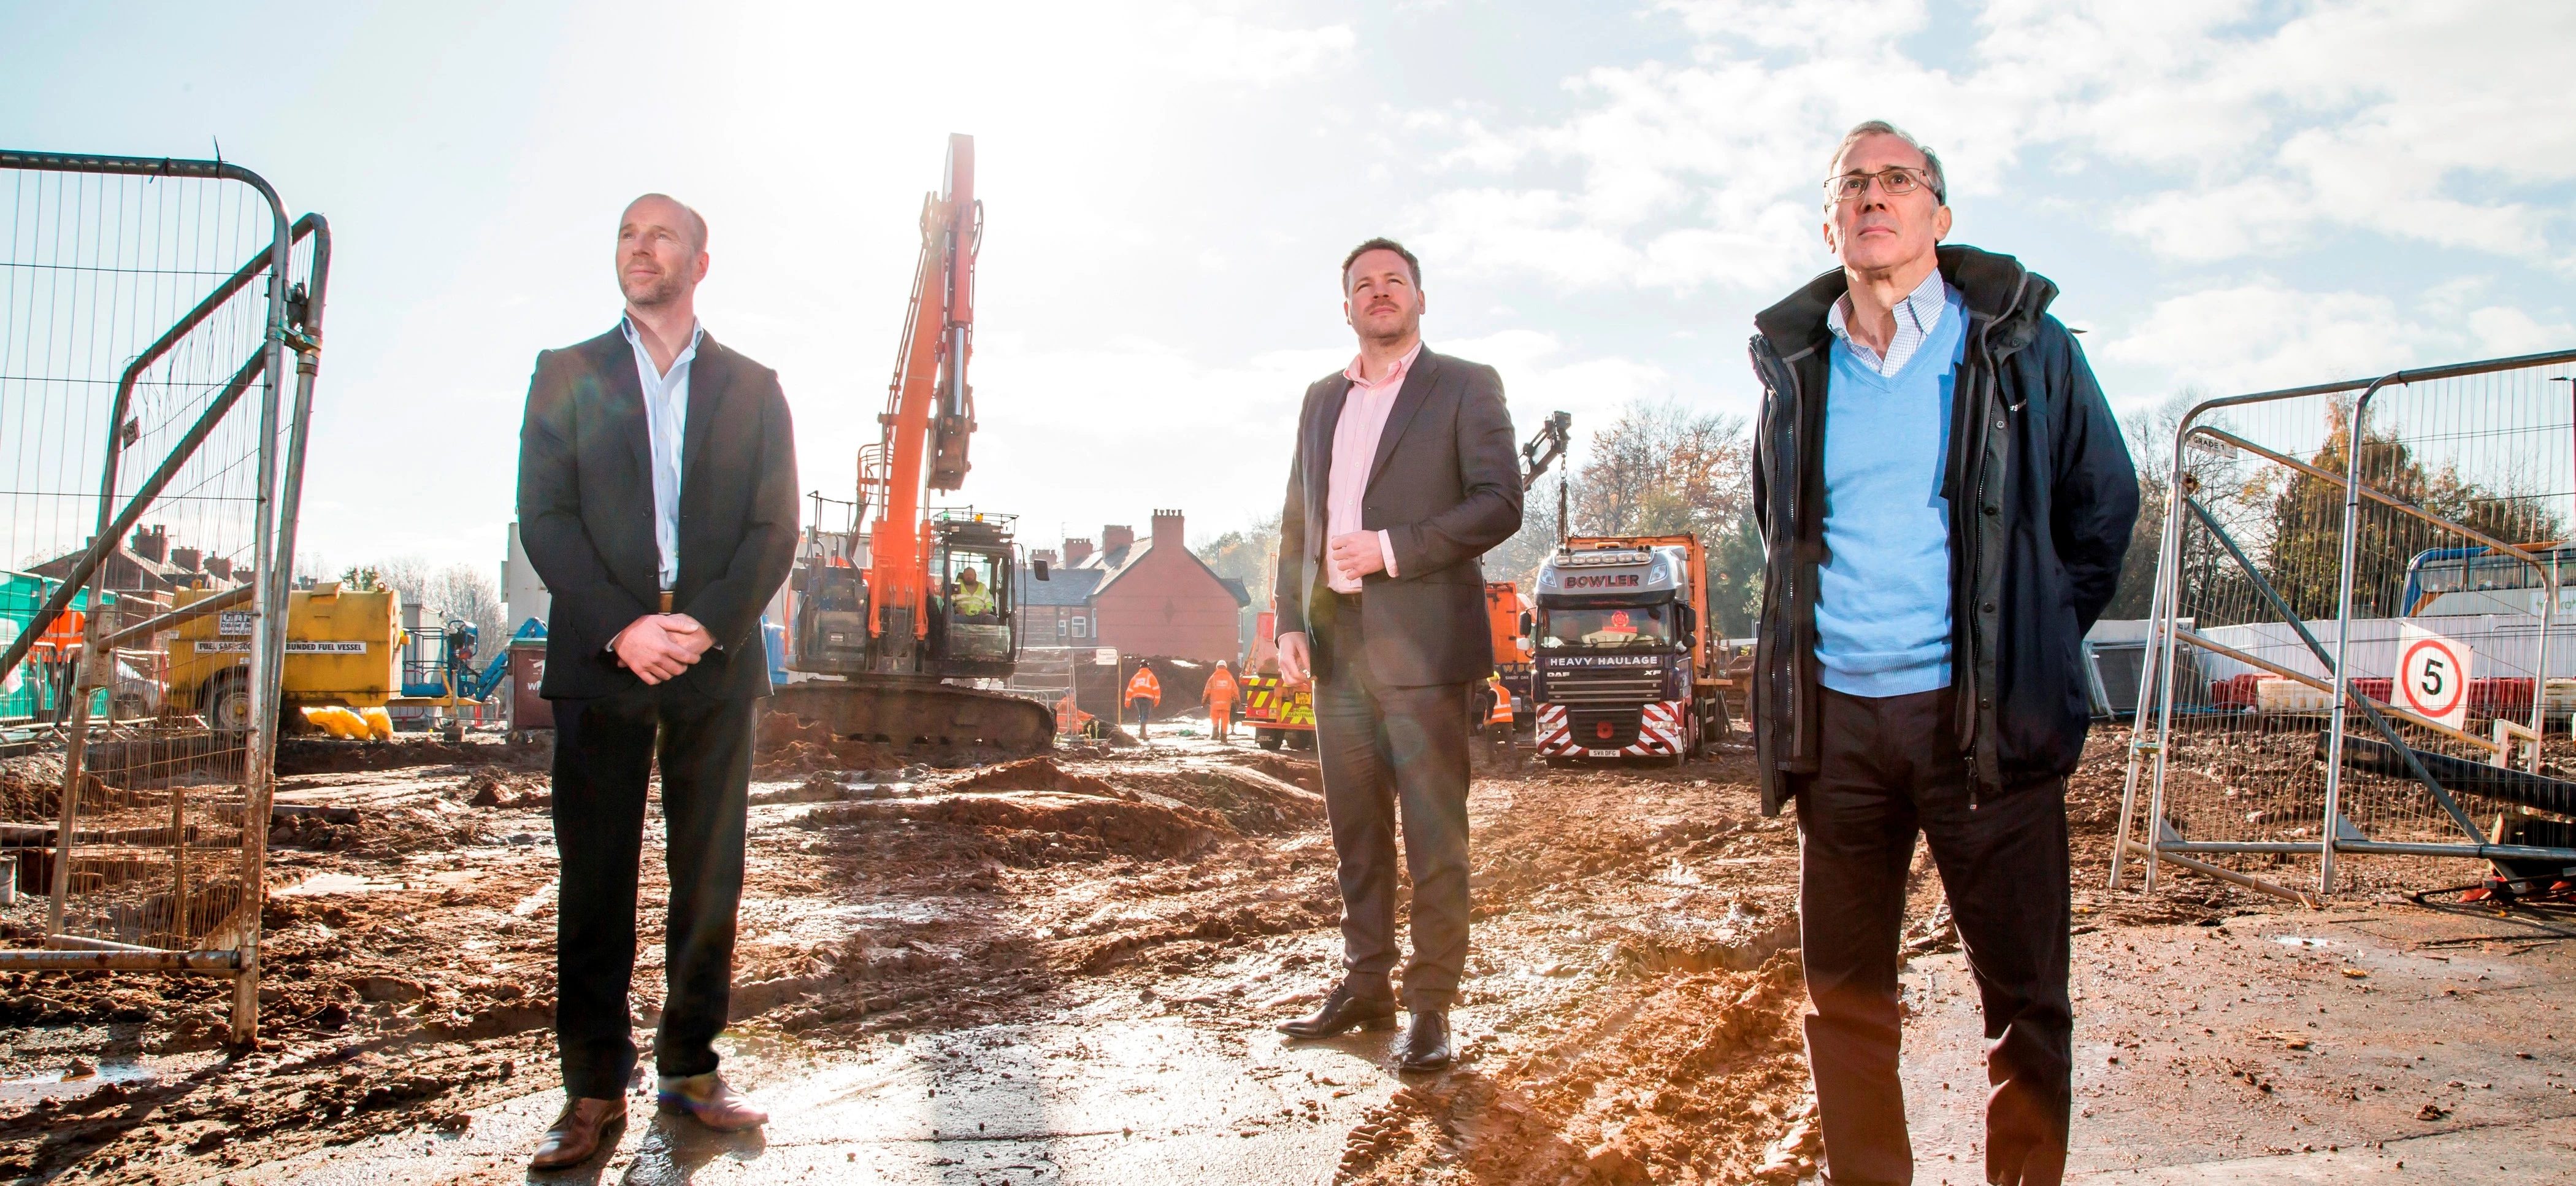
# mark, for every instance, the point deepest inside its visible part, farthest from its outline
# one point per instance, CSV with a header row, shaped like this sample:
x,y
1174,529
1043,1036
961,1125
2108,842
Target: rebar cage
x,y
150,311
2305,534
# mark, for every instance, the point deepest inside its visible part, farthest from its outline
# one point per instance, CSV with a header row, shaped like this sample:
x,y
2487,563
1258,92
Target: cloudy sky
x,y
2232,194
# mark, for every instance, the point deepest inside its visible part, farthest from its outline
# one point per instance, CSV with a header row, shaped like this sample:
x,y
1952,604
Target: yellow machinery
x,y
340,652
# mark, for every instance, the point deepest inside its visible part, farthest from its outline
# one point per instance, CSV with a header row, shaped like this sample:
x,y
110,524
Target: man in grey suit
x,y
1404,476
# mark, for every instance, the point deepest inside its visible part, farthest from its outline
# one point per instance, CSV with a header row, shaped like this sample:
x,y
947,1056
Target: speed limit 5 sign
x,y
2432,678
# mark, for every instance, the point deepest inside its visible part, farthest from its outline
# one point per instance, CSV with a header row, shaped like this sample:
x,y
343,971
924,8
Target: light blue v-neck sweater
x,y
1883,599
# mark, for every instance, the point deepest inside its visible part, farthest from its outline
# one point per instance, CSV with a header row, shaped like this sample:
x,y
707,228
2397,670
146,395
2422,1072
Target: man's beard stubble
x,y
652,293
1404,328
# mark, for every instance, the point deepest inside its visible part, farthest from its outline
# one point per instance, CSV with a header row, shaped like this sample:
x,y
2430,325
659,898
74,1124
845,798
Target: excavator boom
x,y
891,643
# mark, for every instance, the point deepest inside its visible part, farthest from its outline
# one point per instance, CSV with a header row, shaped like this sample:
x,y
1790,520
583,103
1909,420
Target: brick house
x,y
1143,597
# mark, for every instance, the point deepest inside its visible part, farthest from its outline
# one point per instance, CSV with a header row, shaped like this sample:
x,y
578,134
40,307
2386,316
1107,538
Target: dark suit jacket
x,y
586,512
1445,487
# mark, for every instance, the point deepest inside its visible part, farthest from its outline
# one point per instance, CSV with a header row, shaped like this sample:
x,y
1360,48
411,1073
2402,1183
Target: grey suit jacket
x,y
1445,486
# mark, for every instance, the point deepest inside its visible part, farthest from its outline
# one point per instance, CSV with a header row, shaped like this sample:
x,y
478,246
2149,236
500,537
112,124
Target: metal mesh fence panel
x,y
152,322
2276,736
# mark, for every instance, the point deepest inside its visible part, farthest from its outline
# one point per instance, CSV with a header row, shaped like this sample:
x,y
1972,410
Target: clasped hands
x,y
657,647
1354,554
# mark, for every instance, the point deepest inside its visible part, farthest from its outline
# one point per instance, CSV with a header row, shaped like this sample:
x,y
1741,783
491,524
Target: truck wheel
x,y
226,700
1268,739
1301,741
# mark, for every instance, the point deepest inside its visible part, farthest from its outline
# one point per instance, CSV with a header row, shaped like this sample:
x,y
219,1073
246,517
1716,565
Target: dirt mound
x,y
786,745
1697,1082
31,788
1254,802
509,790
1301,773
1051,824
324,755
388,834
1035,774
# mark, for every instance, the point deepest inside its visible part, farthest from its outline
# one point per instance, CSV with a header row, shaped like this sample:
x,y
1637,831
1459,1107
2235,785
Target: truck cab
x,y
1618,667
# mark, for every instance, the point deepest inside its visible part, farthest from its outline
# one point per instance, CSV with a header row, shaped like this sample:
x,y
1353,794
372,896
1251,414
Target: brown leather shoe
x,y
576,1134
710,1101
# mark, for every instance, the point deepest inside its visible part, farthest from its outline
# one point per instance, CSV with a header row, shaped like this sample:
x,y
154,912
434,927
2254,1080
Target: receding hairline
x,y
690,220
1879,127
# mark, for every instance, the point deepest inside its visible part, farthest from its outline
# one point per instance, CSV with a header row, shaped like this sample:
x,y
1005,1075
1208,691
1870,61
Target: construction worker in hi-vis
x,y
1144,692
1220,694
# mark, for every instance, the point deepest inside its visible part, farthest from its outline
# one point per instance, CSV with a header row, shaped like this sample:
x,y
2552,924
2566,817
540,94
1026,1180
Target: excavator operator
x,y
972,599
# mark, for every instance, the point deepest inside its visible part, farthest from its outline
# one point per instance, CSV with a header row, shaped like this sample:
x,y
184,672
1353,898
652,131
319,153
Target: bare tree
x,y
465,592
1249,555
1663,468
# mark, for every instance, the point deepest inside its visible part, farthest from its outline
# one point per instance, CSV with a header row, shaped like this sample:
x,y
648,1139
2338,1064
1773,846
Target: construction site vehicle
x,y
1622,666
1277,714
878,620
40,688
1505,609
340,650
439,672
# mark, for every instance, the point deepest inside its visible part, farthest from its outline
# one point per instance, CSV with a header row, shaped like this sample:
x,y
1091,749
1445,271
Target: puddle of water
x,y
544,897
334,883
58,1083
2302,941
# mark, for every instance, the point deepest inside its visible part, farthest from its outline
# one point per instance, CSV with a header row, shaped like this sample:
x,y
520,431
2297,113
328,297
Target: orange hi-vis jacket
x,y
1221,691
1143,686
1502,714
1069,718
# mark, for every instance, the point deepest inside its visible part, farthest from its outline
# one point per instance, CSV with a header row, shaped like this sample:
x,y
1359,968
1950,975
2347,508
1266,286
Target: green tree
x,y
1249,555
2304,558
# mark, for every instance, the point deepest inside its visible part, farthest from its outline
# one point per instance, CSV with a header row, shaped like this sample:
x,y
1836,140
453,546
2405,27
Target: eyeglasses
x,y
1895,181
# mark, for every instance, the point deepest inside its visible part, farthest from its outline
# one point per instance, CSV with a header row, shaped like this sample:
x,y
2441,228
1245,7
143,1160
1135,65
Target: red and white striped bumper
x,y
1661,733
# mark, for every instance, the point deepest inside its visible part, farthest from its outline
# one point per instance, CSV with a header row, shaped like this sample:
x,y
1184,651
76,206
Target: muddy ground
x,y
1630,1013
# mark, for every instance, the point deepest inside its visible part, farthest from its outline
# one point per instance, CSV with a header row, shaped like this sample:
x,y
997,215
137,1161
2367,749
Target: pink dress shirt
x,y
1355,437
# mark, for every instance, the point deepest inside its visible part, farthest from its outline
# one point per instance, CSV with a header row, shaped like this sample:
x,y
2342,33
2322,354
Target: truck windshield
x,y
1611,626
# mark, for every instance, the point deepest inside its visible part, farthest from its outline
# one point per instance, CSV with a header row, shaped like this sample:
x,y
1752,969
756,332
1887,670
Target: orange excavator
x,y
900,623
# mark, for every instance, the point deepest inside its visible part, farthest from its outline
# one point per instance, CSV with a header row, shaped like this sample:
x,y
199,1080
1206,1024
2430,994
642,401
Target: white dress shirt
x,y
1915,317
666,413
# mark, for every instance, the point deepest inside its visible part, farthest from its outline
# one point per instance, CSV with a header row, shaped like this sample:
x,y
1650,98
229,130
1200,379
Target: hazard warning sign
x,y
2432,678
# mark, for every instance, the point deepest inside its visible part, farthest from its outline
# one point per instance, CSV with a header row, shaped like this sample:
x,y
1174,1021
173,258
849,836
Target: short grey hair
x,y
1880,127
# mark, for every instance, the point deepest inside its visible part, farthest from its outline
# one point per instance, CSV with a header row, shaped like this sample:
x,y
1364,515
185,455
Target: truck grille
x,y
1628,688
1584,726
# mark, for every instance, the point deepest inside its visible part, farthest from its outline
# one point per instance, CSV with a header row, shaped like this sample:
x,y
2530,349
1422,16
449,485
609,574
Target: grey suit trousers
x,y
1388,751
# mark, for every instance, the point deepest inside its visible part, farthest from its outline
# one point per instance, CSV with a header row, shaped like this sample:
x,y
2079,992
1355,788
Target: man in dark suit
x,y
657,499
1404,476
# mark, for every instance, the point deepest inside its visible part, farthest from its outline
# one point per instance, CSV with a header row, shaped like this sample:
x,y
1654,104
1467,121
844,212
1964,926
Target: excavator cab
x,y
972,600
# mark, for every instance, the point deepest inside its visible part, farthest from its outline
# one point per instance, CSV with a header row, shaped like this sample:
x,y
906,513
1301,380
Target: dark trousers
x,y
1383,748
604,753
1891,767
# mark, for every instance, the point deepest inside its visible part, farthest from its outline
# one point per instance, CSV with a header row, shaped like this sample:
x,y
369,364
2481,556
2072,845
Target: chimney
x,y
1042,555
1114,538
220,566
152,543
1167,530
186,558
1076,551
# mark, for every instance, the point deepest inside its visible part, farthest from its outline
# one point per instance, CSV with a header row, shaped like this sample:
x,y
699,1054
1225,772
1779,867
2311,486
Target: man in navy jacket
x,y
1944,500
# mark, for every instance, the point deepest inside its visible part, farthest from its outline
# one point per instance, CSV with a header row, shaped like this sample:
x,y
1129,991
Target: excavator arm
x,y
929,408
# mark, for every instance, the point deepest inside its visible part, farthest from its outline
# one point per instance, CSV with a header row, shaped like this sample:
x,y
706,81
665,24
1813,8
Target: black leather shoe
x,y
1348,1008
1426,1042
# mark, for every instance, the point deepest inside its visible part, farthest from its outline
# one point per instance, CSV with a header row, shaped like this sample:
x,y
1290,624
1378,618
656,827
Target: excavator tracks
x,y
923,721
